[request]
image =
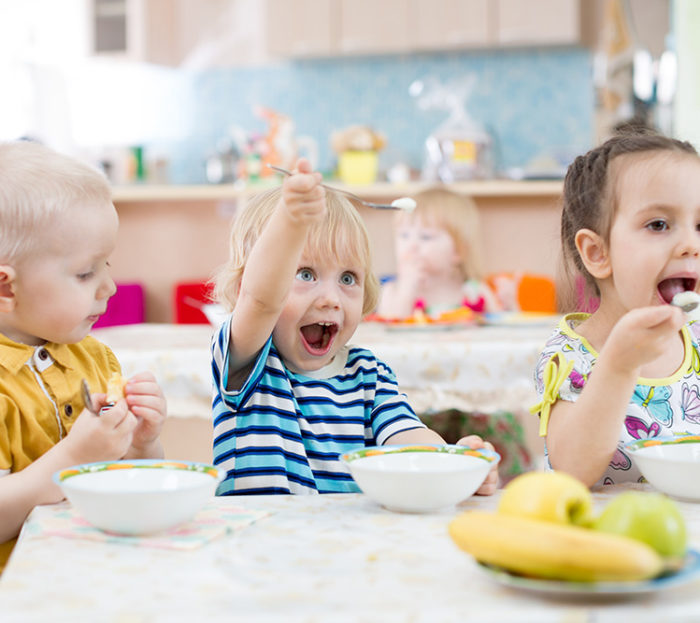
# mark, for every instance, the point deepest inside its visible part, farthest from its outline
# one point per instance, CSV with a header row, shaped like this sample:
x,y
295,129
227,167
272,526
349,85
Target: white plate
x,y
430,326
521,319
689,572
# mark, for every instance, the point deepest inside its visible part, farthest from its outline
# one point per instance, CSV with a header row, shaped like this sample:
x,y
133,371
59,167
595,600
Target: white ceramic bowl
x,y
138,497
417,479
670,464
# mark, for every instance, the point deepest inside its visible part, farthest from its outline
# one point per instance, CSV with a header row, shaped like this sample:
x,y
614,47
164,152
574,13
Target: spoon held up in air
x,y
403,203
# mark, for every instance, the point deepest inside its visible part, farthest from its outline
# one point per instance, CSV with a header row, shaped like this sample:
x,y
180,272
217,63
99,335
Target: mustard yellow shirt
x,y
40,398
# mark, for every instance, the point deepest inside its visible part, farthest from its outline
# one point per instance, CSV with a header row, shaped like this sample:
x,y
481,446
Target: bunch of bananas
x,y
544,528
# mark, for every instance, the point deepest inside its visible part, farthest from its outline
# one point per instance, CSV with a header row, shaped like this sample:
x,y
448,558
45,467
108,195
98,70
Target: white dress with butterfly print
x,y
659,407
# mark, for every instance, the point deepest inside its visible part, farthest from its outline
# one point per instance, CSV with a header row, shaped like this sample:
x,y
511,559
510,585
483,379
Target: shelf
x,y
144,193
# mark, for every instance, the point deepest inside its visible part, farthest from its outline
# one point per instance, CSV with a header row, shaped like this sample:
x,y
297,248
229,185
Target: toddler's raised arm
x,y
273,263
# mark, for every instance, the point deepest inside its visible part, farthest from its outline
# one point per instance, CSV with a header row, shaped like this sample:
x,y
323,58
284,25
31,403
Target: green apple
x,y
548,496
649,517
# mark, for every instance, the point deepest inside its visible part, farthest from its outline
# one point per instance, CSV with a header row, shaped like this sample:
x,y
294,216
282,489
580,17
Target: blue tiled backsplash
x,y
534,103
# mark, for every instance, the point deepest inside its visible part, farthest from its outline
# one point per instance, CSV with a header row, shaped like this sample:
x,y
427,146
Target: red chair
x,y
188,300
125,307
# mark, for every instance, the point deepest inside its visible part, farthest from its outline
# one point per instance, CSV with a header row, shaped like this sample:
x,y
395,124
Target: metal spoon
x,y
87,398
369,204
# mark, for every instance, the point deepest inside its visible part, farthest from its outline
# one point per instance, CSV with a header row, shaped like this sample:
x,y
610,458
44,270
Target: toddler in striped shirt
x,y
290,394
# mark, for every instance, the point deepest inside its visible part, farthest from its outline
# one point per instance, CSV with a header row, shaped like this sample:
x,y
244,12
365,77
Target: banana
x,y
554,551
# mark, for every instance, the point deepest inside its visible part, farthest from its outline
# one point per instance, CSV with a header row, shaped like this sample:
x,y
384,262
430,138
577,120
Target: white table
x,y
314,559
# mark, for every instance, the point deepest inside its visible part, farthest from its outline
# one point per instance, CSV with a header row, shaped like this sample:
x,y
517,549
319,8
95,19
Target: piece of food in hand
x,y
550,496
115,388
649,517
553,551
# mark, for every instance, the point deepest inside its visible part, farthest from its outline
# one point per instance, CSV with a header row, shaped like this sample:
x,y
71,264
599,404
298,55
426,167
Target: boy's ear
x,y
7,293
594,253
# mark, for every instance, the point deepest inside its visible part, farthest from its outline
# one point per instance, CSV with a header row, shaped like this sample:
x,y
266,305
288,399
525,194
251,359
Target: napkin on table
x,y
208,524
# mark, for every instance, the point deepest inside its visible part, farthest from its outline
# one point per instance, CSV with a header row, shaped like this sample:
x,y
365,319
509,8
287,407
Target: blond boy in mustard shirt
x,y
59,228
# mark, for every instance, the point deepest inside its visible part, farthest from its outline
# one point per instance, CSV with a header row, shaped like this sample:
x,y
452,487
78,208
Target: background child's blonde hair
x,y
36,185
341,234
457,214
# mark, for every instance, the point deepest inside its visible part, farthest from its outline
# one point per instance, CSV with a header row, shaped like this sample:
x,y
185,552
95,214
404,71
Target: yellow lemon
x,y
549,496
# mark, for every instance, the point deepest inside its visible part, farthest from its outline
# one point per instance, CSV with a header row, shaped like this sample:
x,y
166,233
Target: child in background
x,y
437,259
290,394
59,228
631,226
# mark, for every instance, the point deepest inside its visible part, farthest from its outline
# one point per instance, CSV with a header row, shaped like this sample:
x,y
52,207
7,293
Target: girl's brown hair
x,y
590,201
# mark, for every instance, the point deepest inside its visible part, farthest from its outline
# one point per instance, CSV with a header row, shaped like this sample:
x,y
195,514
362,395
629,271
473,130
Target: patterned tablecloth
x,y
311,558
483,369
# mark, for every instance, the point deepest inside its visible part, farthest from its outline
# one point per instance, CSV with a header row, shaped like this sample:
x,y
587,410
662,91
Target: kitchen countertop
x,y
136,193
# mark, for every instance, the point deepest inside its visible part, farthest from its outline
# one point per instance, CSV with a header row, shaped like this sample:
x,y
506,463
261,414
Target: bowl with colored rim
x,y
670,464
419,478
138,497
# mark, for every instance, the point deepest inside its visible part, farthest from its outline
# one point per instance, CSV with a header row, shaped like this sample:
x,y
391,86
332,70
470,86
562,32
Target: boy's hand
x,y
104,437
491,483
146,401
642,335
302,194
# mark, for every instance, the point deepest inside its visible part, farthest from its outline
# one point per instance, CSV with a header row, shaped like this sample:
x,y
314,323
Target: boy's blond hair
x,y
36,185
457,214
341,234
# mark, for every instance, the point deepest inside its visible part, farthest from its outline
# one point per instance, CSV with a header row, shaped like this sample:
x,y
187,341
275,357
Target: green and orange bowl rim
x,y
105,466
480,453
670,440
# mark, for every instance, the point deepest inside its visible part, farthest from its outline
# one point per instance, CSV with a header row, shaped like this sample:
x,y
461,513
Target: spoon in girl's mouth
x,y
687,301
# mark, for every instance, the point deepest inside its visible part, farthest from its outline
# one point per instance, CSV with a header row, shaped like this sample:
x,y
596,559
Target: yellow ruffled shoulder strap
x,y
555,372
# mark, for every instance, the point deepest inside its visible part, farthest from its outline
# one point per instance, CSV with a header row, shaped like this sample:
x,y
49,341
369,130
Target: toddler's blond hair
x,y
341,234
37,184
457,214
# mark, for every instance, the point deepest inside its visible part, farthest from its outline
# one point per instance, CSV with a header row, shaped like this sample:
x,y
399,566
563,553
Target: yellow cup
x,y
358,167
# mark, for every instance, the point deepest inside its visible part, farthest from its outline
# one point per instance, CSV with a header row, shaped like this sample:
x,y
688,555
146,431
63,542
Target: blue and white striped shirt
x,y
282,432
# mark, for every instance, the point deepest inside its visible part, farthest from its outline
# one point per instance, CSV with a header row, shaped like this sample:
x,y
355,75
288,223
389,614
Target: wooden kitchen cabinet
x,y
452,24
137,30
212,33
538,22
302,28
369,27
170,32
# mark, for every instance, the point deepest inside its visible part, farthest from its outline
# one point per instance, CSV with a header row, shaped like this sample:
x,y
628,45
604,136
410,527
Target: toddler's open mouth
x,y
318,337
668,288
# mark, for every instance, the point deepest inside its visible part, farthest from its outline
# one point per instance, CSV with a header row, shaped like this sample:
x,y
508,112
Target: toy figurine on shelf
x,y
282,146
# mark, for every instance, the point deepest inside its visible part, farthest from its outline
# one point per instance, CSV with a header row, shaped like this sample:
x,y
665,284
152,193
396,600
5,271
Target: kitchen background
x,y
180,92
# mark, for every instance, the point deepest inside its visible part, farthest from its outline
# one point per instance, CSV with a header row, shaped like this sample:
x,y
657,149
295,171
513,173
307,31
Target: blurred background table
x,y
313,558
443,371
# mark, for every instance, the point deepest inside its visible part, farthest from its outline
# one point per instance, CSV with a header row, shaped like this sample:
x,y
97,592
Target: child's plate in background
x,y
452,320
521,319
